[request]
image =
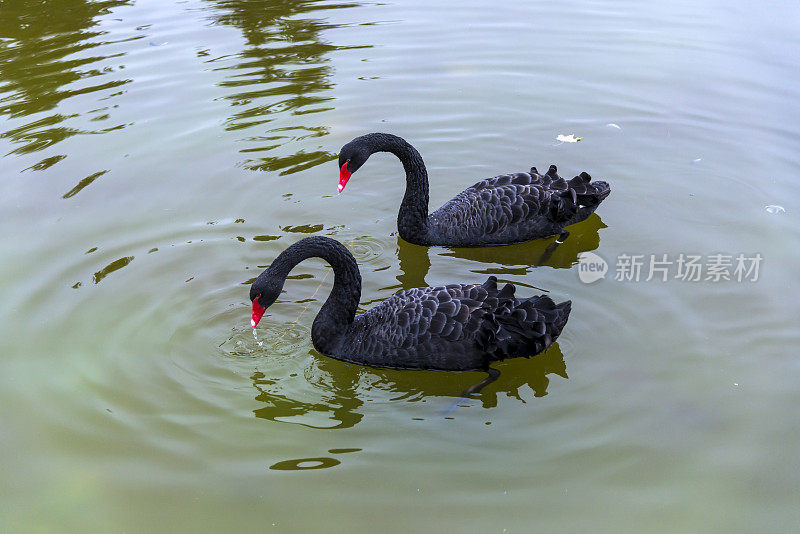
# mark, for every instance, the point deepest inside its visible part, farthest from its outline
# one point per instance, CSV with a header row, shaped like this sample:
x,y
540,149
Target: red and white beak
x,y
344,175
258,312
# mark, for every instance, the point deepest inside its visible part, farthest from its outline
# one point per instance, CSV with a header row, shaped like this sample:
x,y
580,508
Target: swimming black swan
x,y
510,208
459,327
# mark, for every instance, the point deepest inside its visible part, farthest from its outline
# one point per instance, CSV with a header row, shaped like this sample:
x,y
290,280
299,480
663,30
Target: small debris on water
x,y
697,160
614,125
774,208
567,138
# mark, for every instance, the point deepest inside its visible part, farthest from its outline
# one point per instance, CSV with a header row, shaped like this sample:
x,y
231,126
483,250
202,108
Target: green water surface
x,y
155,156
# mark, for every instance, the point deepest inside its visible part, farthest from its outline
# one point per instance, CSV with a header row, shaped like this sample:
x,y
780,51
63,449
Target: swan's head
x,y
352,156
263,293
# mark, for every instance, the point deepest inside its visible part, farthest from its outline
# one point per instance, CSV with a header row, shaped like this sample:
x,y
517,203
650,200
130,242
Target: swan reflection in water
x,y
342,390
517,259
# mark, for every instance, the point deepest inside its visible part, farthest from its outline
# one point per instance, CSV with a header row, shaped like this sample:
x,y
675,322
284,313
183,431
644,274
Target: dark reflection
x,y
283,70
83,183
515,373
110,268
503,260
583,237
414,264
343,451
39,40
302,464
303,228
46,163
265,237
338,405
343,387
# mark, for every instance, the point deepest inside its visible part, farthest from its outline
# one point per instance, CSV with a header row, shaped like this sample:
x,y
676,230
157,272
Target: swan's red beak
x,y
344,175
258,312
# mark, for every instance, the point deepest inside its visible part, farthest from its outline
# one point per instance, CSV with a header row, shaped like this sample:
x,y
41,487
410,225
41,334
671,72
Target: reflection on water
x,y
110,268
83,183
283,69
341,393
42,63
414,264
583,237
515,373
302,464
518,259
336,408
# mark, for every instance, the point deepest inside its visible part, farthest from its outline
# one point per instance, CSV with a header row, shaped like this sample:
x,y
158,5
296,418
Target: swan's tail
x,y
578,201
522,327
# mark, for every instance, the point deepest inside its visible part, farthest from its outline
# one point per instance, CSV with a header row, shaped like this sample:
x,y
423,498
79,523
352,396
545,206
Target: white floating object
x,y
614,125
567,138
697,160
774,208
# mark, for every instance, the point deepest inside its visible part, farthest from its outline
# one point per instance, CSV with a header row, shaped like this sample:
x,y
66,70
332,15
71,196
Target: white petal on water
x,y
774,208
567,138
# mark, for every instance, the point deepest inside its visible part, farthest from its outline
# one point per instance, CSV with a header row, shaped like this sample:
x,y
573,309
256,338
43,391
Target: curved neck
x,y
340,308
412,220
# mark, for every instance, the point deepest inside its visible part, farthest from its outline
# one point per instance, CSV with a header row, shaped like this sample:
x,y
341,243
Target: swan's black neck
x,y
339,310
412,220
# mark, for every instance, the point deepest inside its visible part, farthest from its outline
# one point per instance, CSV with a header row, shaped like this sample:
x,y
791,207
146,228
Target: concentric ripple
x,y
269,338
366,250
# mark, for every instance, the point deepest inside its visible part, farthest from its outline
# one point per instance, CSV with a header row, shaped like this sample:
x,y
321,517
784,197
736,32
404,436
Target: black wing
x,y
454,327
516,207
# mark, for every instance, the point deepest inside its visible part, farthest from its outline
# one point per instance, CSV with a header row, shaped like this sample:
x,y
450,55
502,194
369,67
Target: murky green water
x,y
155,156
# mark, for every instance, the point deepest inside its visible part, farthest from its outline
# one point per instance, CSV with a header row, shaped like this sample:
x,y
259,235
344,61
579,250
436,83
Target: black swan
x,y
458,327
506,209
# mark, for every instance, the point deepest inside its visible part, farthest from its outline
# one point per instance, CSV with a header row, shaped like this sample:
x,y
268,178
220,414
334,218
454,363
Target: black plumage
x,y
505,209
457,327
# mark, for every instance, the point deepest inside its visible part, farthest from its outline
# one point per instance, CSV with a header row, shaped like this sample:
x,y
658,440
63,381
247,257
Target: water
x,y
156,156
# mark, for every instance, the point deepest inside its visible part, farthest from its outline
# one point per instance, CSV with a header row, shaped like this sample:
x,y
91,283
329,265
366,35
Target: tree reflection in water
x,y
283,74
45,48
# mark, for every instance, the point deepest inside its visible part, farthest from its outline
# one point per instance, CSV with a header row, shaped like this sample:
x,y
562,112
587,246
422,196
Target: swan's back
x,y
512,208
454,327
